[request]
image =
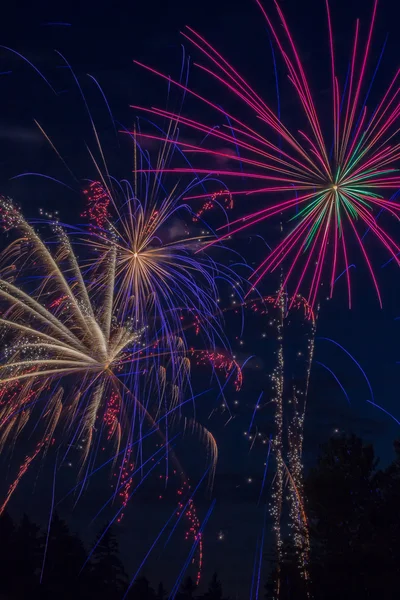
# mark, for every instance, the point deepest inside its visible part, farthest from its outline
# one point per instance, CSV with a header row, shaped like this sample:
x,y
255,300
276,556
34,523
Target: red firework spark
x,y
152,225
193,532
111,414
197,325
98,205
22,470
9,398
57,302
297,303
338,193
209,204
126,482
220,362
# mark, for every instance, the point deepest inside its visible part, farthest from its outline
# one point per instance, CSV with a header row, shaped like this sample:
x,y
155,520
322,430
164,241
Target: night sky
x,y
103,39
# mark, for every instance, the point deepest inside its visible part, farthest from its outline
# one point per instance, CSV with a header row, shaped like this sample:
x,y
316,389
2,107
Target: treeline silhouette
x,y
352,509
353,517
24,549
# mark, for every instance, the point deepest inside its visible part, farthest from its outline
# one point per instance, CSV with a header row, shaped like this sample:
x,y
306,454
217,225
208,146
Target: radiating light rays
x,y
81,370
55,333
165,285
337,187
116,328
96,346
69,353
162,273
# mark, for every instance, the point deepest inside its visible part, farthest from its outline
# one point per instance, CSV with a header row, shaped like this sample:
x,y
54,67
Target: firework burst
x,y
163,276
72,353
337,189
61,328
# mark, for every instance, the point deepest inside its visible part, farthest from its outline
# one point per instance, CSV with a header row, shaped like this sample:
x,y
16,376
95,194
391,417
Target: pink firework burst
x,y
332,187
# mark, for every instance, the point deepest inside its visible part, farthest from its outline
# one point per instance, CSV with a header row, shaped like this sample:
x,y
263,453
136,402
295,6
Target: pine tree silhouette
x,y
141,590
161,592
9,565
214,591
64,560
107,571
29,542
187,589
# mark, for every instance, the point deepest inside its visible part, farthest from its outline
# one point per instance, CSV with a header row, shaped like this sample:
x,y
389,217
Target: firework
x,y
61,328
293,333
78,365
221,362
336,189
69,352
162,276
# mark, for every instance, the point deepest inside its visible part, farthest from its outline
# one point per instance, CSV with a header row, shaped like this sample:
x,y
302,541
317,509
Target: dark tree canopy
x,y
107,570
141,590
352,509
187,589
214,591
162,593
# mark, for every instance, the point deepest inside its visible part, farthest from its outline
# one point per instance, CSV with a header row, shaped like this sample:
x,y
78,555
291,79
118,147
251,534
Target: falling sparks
x,y
111,414
220,362
22,470
126,482
193,531
289,396
98,207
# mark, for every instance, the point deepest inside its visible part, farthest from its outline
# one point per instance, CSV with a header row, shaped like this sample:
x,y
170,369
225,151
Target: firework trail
x,y
22,470
335,188
289,385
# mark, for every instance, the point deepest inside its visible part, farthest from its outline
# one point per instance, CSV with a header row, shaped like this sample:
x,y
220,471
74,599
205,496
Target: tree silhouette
x,y
354,528
214,591
64,560
29,543
141,590
108,576
288,577
343,505
161,592
10,566
187,589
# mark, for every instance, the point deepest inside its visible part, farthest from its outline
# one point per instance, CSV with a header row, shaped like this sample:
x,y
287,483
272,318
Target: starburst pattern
x,y
338,188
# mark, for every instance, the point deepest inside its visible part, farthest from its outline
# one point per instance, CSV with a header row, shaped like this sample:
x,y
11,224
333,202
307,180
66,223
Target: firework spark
x,y
221,361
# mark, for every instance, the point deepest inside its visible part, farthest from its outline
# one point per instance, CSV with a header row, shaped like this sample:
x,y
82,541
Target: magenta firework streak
x,y
332,187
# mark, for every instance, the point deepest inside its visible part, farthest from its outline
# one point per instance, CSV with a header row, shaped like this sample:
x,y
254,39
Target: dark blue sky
x,y
103,39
